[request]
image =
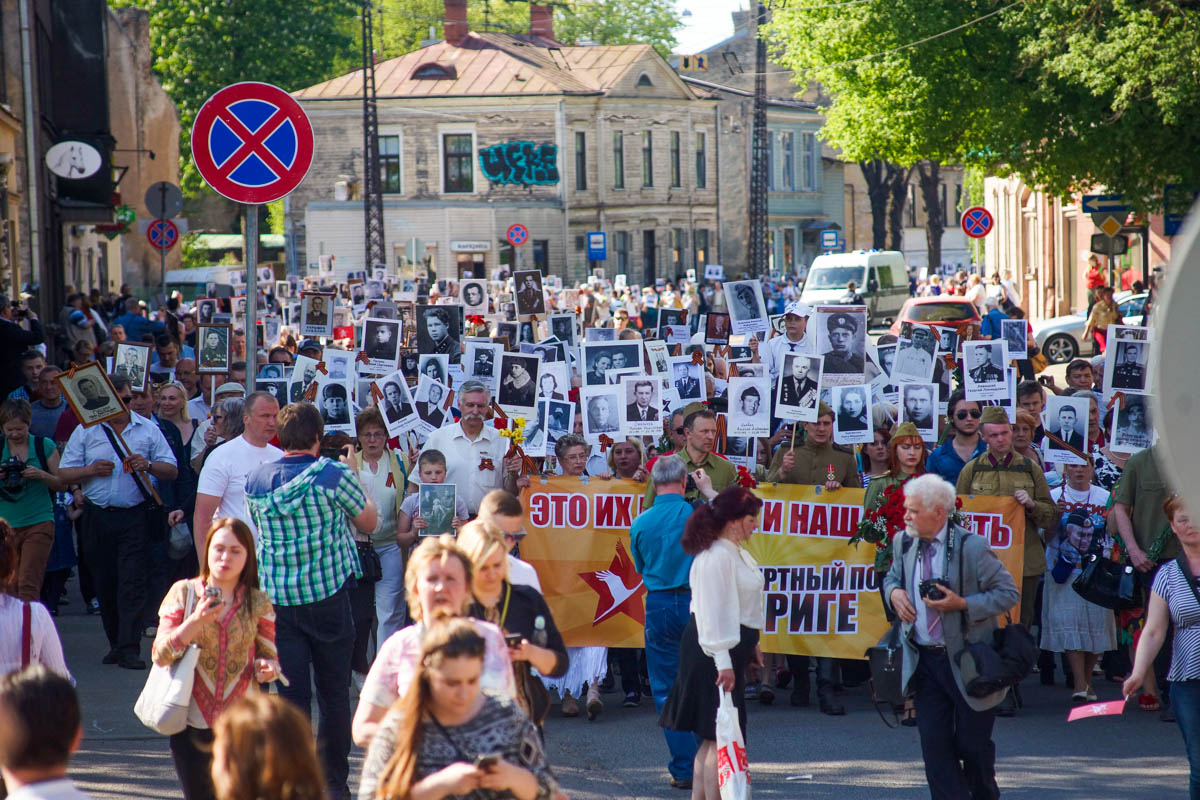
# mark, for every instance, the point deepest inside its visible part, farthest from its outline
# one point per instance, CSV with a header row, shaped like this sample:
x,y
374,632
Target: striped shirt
x,y
1171,585
300,506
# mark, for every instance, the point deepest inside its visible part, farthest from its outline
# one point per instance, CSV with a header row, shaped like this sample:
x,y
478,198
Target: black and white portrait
x,y
852,414
283,290
747,309
339,364
546,352
526,332
747,369
473,294
562,327
316,314
333,401
270,372
1065,418
358,296
559,422
918,405
601,411
438,331
1015,333
984,370
670,316
518,383
385,309
91,395
436,503
599,358
552,381
375,290
1131,429
881,385
436,368
749,407
799,388
658,356
133,361
1126,364
507,331
535,430
381,343
483,363
396,404
687,378
914,356
947,339
531,300
205,309
431,402
716,328
600,335
215,348
642,405
278,388
304,372
841,341
379,273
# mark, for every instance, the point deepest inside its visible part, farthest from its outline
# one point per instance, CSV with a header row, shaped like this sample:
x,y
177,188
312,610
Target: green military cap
x,y
824,410
905,429
994,415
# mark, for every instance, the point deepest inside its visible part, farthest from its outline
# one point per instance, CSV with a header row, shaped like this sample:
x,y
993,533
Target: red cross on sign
x,y
162,234
977,222
252,142
517,234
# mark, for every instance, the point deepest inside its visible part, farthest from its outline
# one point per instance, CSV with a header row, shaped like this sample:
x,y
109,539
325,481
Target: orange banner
x,y
821,594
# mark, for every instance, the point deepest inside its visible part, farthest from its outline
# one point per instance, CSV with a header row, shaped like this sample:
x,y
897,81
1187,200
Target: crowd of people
x,y
288,537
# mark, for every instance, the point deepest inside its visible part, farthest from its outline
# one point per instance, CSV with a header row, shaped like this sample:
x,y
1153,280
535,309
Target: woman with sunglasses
x,y
949,459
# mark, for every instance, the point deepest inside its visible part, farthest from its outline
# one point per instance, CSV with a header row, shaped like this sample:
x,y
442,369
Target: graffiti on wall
x,y
524,163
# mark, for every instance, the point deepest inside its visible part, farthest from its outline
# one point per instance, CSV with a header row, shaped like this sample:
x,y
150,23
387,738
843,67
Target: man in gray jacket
x,y
956,730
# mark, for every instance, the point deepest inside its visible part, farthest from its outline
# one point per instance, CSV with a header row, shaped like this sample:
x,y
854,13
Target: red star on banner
x,y
620,589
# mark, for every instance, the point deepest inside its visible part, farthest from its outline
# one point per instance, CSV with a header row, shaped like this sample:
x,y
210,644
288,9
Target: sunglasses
x,y
679,431
127,399
964,414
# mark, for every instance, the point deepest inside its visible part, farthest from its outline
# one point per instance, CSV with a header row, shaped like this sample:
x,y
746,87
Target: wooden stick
x,y
143,479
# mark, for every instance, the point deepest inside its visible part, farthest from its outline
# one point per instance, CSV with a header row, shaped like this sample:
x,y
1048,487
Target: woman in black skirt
x,y
722,634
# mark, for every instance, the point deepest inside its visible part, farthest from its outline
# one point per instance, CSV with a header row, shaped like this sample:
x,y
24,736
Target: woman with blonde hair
x,y
449,738
438,585
263,750
630,461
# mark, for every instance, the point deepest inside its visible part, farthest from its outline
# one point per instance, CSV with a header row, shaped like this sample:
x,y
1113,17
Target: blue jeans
x,y
390,608
314,641
1185,701
666,617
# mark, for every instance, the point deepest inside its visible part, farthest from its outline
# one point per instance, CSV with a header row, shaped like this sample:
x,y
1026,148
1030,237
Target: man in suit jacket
x,y
1066,429
641,409
955,729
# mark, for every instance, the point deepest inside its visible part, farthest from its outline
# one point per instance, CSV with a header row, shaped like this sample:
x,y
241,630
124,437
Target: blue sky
x,y
709,23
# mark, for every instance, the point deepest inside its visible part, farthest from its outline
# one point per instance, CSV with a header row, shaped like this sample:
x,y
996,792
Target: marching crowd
x,y
235,525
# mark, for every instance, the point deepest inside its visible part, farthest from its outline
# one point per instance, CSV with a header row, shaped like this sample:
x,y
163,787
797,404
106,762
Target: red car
x,y
943,310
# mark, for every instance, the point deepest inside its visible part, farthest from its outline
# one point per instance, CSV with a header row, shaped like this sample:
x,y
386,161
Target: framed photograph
x,y
546,352
381,343
270,372
1009,404
560,417
379,273
913,362
882,357
687,379
742,451
270,325
747,309
435,368
358,295
670,316
948,339
507,330
483,364
658,356
133,361
474,296
716,328
600,335
676,334
749,406
283,290
238,306
333,401
304,372
278,387
1015,334
1067,419
216,348
436,505
339,364
984,374
535,430
842,343
798,394
518,384
1127,361
439,329
552,381
1131,430
531,298
91,394
852,415
316,314
385,309
918,406
432,401
526,332
562,327
375,290
778,324
265,275
746,369
599,357
396,403
206,307
601,409
642,405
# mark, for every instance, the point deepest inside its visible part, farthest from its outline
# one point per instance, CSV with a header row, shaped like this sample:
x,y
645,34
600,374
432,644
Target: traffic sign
x,y
1109,223
1104,204
162,234
517,234
164,200
597,246
1105,245
252,142
829,240
977,222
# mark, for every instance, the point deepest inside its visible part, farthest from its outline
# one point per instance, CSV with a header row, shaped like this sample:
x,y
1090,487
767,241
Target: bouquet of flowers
x,y
881,524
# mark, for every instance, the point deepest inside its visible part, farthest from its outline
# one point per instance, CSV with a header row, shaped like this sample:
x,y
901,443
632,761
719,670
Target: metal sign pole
x,y
251,260
162,251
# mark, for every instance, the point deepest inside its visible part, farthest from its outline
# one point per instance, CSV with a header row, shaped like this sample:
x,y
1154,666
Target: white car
x,y
1061,338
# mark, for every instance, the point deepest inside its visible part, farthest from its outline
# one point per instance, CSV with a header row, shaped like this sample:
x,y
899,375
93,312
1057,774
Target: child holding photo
x,y
431,469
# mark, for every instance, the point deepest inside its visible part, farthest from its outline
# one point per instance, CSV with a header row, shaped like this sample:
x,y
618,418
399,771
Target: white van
x,y
880,276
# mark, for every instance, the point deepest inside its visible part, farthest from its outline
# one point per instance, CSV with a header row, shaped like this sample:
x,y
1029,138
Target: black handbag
x,y
1109,584
368,559
886,660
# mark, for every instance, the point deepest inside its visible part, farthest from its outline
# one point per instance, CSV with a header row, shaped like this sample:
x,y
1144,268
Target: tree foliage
x,y
1070,94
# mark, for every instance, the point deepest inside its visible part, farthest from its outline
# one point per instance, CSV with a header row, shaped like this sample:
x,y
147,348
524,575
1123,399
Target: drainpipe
x,y
31,158
717,176
564,193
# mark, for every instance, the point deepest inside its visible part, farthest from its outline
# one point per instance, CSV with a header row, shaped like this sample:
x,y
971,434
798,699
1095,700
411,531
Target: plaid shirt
x,y
305,547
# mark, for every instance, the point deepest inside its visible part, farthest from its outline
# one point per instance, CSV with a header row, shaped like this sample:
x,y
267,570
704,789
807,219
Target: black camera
x,y
10,473
932,588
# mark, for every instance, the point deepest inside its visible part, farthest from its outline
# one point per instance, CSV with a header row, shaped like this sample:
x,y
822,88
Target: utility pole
x,y
372,180
759,165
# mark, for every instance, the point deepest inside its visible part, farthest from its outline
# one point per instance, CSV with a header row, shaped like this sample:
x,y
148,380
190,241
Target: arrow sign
x,y
1104,203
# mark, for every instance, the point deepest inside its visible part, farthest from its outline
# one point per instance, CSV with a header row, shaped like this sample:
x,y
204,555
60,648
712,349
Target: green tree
x,y
619,22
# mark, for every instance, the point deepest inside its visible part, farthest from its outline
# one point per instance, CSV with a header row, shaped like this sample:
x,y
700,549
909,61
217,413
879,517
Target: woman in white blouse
x,y
722,635
16,629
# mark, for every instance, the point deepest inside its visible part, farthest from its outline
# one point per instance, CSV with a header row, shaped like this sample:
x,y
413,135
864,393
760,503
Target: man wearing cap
x,y
311,348
794,339
839,360
334,407
916,361
984,371
816,462
699,438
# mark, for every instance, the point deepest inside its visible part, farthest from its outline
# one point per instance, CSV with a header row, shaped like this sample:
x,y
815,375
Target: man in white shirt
x,y
221,491
474,452
794,340
39,723
504,511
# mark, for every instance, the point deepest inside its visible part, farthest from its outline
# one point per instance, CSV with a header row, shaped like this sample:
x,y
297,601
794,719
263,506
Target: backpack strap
x,y
39,446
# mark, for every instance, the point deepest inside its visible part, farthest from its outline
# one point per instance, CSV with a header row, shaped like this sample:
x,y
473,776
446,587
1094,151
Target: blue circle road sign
x,y
517,234
977,222
252,143
162,234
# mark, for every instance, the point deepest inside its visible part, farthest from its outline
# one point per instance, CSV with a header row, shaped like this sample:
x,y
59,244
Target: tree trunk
x,y
897,182
929,177
877,192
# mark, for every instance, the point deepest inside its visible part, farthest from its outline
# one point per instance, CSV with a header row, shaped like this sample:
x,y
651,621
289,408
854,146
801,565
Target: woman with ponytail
x,y
448,738
722,635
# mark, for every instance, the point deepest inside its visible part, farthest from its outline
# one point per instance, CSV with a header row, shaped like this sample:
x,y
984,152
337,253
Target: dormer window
x,y
435,72
644,80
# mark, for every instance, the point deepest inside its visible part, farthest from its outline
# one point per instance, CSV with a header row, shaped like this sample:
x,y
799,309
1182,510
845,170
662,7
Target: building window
x,y
647,159
701,161
644,80
618,160
787,143
677,246
789,249
676,160
808,162
389,165
771,260
541,255
621,248
700,239
580,160
458,165
770,161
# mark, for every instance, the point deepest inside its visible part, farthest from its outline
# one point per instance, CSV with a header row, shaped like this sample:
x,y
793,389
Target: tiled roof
x,y
492,64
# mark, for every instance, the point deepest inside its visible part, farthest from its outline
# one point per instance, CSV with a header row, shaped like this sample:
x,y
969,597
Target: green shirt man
x,y
700,436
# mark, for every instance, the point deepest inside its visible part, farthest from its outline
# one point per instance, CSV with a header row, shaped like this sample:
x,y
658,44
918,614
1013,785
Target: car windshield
x,y
834,277
1133,307
940,312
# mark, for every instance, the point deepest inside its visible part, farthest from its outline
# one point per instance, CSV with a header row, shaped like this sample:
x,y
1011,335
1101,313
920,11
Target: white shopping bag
x,y
733,768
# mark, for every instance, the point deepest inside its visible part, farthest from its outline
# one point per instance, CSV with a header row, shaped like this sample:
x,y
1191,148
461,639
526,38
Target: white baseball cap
x,y
798,308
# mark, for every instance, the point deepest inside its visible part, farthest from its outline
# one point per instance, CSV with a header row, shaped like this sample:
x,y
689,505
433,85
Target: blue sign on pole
x,y
829,240
597,246
1104,204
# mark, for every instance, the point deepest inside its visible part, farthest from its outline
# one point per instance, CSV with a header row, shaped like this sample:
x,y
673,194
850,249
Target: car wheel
x,y
1060,348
